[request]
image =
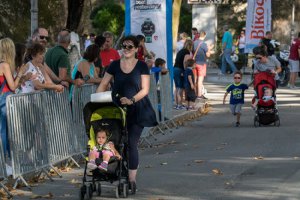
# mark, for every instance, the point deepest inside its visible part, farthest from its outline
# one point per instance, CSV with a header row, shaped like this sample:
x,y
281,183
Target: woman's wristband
x,y
132,100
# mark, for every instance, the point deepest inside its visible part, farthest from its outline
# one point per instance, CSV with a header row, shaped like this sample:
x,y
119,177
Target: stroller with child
x,y
266,109
113,118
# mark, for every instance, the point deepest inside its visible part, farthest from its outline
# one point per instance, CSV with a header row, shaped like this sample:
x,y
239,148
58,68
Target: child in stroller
x,y
104,148
264,101
268,96
104,122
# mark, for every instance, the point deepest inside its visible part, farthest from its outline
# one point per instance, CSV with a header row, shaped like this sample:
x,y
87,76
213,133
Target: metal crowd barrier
x,y
166,100
81,96
3,174
59,127
27,134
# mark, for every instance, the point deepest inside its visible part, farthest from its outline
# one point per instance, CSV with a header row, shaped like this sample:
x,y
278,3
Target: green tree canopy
x,y
109,17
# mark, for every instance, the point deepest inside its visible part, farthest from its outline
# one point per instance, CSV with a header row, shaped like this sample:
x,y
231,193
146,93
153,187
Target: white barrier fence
x,y
3,174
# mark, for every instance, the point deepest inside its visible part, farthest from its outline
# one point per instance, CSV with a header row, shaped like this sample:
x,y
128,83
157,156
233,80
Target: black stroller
x,y
112,118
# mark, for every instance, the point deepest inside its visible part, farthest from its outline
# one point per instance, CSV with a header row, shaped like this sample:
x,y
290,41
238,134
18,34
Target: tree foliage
x,y
109,17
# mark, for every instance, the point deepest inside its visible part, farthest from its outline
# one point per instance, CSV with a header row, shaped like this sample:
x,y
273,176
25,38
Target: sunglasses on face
x,y
129,47
42,37
237,77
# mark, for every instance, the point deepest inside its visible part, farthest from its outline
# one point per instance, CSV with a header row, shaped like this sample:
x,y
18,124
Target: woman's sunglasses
x,y
129,47
237,77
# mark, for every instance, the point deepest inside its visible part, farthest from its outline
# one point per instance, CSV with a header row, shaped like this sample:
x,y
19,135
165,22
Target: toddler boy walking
x,y
236,90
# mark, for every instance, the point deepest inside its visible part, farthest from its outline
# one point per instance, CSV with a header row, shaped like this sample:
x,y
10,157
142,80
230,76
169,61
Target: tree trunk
x,y
75,8
176,16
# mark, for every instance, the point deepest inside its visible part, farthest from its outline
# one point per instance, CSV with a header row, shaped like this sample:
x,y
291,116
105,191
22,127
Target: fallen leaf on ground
x,y
75,181
67,195
148,166
48,196
217,172
163,163
80,174
258,158
36,196
198,161
176,151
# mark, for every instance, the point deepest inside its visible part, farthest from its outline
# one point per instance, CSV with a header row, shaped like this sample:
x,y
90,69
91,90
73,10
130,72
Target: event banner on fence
x,y
258,21
153,19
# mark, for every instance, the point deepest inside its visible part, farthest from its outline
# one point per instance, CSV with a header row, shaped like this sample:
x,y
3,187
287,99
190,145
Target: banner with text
x,y
258,21
153,19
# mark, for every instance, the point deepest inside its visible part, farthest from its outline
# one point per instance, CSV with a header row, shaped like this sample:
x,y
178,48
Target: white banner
x,y
258,21
153,19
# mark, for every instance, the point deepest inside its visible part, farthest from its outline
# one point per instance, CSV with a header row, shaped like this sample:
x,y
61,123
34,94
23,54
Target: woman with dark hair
x,y
265,63
131,87
40,79
85,68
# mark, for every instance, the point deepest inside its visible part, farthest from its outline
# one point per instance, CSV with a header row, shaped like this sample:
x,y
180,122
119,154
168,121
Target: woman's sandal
x,y
132,187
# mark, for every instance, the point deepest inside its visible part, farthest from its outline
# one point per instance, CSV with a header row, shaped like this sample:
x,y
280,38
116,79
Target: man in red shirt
x,y
294,61
108,54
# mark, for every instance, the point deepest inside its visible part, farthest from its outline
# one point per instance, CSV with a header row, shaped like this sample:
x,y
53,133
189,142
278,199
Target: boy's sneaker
x,y
91,165
103,166
180,107
237,124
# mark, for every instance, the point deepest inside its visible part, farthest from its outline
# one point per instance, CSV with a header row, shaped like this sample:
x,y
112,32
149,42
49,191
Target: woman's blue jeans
x,y
3,123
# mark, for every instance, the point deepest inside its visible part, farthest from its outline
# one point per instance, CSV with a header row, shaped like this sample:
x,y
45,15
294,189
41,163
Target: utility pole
x,y
34,15
293,21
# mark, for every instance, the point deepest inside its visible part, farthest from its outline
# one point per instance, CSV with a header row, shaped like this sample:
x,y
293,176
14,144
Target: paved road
x,y
210,159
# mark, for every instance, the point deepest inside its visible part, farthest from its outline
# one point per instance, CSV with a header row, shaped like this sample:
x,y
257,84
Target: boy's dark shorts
x,y
190,94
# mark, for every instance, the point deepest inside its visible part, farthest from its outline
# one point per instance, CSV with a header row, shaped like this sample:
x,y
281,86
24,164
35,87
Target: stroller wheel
x,y
89,193
123,189
99,189
82,192
277,123
256,122
117,192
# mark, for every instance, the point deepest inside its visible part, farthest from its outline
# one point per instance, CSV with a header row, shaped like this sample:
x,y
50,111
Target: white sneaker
x,y
8,170
291,86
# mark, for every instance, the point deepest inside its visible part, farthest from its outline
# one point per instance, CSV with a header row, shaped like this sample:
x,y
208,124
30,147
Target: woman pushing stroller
x,y
266,69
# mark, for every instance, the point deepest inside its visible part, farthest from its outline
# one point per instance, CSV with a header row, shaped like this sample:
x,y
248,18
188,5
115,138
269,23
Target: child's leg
x,y
238,117
238,110
92,157
106,156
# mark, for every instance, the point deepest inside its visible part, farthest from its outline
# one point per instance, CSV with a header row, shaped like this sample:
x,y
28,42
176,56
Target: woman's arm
x,y
11,82
51,86
84,67
145,84
186,57
104,83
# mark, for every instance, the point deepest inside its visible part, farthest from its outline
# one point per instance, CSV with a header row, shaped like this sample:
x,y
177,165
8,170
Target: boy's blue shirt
x,y
237,92
188,72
